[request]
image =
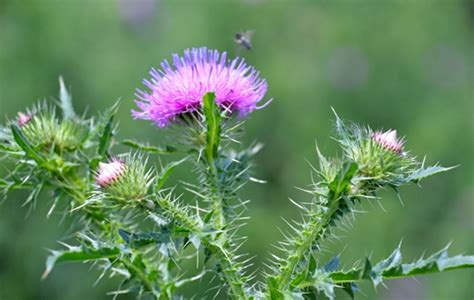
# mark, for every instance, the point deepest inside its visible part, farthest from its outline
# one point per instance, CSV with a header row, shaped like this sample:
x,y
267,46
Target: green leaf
x,y
392,267
275,293
166,172
195,240
389,268
66,101
105,136
137,240
213,133
343,178
426,172
350,288
389,263
78,254
323,283
148,148
28,148
208,216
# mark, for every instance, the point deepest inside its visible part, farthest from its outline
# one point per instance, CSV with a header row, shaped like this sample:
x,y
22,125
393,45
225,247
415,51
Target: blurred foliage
x,y
393,64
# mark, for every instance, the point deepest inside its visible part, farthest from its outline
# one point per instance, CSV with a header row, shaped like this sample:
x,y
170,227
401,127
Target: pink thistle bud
x,y
109,172
389,140
23,119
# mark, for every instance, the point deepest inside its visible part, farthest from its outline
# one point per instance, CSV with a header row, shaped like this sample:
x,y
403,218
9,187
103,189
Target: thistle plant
x,y
130,223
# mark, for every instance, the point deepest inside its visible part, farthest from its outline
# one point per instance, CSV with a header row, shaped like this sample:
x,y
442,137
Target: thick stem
x,y
313,230
147,284
217,201
325,214
224,258
229,269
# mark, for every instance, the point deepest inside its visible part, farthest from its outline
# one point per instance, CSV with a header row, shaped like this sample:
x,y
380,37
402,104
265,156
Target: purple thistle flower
x,y
179,89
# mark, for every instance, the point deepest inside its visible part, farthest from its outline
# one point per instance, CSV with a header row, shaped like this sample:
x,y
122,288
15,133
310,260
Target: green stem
x,y
313,230
143,278
228,265
224,258
229,269
217,201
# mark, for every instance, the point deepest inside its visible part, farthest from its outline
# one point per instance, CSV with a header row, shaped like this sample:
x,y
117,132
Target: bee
x,y
244,38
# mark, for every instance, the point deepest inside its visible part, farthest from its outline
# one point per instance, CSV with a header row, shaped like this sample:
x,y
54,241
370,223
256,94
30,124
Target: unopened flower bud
x,y
109,172
389,140
126,180
23,119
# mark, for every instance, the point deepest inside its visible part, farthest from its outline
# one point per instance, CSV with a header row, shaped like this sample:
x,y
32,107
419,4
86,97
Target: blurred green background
x,y
393,64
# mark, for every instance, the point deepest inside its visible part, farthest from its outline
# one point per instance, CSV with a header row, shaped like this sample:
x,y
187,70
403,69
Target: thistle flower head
x,y
379,155
110,172
23,118
179,89
389,140
43,128
126,179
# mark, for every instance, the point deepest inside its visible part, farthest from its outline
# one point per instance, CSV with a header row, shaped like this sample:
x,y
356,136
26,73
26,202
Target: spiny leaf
x,y
65,101
273,290
166,172
392,267
137,240
350,288
148,148
426,172
195,240
389,268
75,254
323,283
343,179
213,133
28,148
389,263
105,137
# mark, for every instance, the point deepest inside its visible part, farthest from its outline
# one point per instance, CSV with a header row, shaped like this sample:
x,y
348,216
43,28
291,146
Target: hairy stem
x,y
217,201
224,258
309,235
148,285
326,212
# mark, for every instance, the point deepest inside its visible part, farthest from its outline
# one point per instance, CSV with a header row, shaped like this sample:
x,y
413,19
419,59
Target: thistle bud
x,y
109,172
388,140
125,180
23,119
